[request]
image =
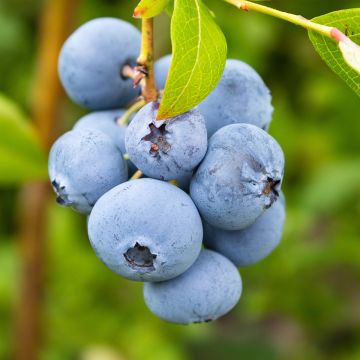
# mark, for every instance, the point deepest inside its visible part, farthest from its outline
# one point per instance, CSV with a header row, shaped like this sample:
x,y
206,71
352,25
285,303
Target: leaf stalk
x,y
327,31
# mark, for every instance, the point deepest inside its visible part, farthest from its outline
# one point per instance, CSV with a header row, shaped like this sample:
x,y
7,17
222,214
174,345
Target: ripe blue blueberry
x,y
107,122
239,178
240,97
168,149
83,165
146,230
252,244
161,68
91,62
208,290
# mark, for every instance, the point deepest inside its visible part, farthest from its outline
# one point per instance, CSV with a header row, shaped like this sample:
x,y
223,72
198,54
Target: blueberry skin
x,y
208,290
239,178
146,230
91,61
83,165
106,122
249,246
161,68
241,96
168,149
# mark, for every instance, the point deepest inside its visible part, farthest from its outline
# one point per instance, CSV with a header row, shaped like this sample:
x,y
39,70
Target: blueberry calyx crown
x,y
271,189
61,198
157,137
140,257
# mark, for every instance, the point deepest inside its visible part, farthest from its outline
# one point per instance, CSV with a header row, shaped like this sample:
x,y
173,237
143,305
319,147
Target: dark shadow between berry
x,y
202,321
140,258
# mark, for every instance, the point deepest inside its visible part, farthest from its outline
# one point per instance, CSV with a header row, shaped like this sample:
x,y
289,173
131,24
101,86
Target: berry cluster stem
x,y
145,62
124,119
138,174
330,32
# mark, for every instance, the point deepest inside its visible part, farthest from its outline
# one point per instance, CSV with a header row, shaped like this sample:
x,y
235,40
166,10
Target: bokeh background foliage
x,y
300,303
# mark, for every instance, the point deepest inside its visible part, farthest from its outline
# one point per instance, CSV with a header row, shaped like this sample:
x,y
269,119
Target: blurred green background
x,y
303,302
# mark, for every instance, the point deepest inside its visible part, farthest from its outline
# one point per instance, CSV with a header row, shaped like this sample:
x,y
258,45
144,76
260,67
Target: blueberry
x,y
240,97
106,122
161,68
91,62
239,178
146,230
83,165
168,149
250,245
208,290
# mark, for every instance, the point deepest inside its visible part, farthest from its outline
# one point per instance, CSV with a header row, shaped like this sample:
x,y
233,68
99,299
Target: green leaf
x,y
333,185
21,155
150,8
199,56
342,57
170,8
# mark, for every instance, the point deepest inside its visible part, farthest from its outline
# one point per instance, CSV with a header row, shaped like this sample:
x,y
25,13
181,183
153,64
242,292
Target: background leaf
x,y
332,185
347,21
21,155
199,55
150,8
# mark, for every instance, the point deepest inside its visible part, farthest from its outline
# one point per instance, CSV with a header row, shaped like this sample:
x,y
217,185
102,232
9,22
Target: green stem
x,y
173,182
137,175
124,119
327,31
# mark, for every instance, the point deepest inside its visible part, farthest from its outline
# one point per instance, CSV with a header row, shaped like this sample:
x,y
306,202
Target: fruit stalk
x,y
328,31
145,62
137,175
124,120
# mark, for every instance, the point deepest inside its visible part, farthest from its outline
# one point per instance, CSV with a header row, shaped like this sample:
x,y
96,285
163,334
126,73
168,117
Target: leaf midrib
x,y
197,56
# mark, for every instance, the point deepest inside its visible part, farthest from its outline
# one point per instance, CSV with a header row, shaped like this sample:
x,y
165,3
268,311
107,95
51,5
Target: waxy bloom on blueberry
x,y
146,230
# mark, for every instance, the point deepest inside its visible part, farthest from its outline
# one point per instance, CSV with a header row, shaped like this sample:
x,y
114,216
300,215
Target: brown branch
x,y
56,19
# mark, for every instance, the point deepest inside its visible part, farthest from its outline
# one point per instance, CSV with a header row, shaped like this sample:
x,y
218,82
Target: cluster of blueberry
x,y
222,192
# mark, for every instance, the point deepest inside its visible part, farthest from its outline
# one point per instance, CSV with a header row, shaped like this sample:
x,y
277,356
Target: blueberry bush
x,y
182,186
